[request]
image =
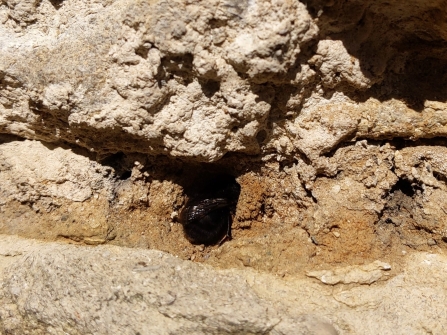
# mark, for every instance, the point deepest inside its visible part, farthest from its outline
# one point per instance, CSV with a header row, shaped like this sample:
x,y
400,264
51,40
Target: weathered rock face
x,y
203,78
54,289
162,78
331,115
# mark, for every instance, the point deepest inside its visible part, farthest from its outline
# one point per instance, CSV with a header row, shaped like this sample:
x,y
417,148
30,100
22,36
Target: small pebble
x,y
336,234
431,241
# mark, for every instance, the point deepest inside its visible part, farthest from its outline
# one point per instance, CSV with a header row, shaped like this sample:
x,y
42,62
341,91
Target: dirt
x,y
275,228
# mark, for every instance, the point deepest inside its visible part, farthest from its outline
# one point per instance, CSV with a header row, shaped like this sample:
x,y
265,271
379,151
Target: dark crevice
x,y
209,87
310,195
120,164
175,67
424,229
142,51
217,23
180,65
57,4
59,116
125,175
287,163
262,209
6,138
399,200
405,186
261,136
440,177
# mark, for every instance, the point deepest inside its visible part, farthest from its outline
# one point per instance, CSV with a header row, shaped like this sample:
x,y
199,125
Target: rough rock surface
x,y
198,79
55,172
331,115
61,288
55,288
38,180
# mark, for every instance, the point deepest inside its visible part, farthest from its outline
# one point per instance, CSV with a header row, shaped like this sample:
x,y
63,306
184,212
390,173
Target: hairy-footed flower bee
x,y
207,216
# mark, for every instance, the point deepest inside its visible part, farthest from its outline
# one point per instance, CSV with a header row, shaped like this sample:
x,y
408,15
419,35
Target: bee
x,y
207,217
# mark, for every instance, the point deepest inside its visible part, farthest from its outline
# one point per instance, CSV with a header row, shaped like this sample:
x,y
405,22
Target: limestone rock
x,y
200,79
30,173
55,288
163,75
365,274
37,178
331,115
77,290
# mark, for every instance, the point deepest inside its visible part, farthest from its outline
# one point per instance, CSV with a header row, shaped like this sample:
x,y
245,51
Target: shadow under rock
x,y
400,46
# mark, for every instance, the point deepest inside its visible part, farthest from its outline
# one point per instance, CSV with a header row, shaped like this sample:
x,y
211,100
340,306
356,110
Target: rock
x,y
361,274
61,288
51,287
30,172
197,81
64,194
331,115
119,80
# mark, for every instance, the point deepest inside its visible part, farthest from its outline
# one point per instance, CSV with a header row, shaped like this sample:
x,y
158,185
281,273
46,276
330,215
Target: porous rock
x,y
330,115
30,171
50,288
60,288
365,274
200,79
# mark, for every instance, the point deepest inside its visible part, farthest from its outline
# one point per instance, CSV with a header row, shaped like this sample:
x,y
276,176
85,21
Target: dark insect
x,y
207,216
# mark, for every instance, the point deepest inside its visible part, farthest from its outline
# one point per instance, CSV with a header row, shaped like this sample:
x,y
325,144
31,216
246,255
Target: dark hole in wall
x,y
210,87
125,175
142,51
118,163
400,204
6,138
261,136
405,186
216,23
178,67
56,3
440,177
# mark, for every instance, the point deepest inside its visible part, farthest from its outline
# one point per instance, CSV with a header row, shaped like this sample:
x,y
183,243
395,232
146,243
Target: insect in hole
x,y
207,216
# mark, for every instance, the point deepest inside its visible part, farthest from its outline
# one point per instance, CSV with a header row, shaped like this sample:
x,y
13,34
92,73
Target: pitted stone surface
x,y
330,114
31,172
199,79
49,288
55,288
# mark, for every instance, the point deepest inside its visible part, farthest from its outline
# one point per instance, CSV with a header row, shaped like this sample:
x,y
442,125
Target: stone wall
x,y
329,114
